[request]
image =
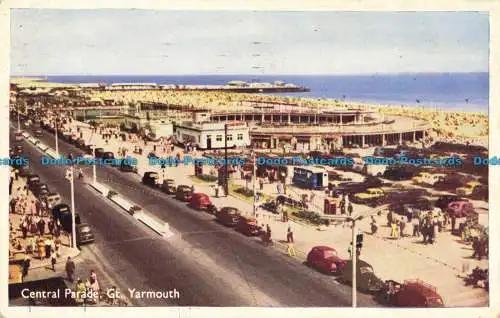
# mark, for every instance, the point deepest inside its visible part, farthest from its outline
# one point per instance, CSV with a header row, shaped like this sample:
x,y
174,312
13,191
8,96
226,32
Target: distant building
x,y
211,135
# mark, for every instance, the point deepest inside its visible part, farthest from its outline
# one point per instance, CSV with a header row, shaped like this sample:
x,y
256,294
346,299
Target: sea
x,y
452,91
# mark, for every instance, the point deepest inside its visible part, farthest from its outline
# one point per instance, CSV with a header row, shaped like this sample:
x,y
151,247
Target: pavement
x,y
207,263
16,219
437,264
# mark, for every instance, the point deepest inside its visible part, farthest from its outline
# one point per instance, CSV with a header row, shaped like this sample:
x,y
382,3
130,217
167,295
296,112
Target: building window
x,y
229,137
218,138
240,137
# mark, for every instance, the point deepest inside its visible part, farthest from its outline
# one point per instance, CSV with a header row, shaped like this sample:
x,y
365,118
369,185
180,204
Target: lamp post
x,y
226,176
94,168
55,132
69,176
18,121
254,184
354,254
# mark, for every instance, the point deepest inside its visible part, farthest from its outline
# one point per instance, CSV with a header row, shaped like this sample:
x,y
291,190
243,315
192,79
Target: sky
x,y
141,42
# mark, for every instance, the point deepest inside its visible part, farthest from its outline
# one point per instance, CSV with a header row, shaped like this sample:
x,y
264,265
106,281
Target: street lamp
x,y
18,121
69,176
55,130
354,254
254,184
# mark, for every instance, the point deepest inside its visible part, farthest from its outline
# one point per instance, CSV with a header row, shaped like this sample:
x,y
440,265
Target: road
x,y
207,263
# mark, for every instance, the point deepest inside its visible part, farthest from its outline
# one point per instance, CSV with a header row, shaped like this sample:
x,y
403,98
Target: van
x,y
52,200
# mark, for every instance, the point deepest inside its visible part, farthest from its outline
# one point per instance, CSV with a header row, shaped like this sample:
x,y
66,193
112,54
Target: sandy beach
x,y
447,125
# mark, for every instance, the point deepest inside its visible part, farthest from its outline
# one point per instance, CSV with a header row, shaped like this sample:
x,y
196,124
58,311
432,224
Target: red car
x,y
228,216
460,209
200,201
248,226
325,259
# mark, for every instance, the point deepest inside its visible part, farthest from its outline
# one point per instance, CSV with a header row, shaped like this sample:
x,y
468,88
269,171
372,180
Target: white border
x,y
276,5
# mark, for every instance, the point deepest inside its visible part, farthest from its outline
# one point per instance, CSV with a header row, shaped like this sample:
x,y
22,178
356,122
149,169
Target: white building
x,y
211,135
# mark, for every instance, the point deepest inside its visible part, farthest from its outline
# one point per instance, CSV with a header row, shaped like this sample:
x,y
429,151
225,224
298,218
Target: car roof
x,y
324,248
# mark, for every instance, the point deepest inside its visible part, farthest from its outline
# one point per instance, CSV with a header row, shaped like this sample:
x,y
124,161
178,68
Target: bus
x,y
313,178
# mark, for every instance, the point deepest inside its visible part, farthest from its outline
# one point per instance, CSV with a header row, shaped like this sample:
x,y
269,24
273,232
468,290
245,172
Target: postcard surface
x,y
237,158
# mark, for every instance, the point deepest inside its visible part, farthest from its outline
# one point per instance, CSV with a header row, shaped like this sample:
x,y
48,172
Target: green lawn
x,y
232,191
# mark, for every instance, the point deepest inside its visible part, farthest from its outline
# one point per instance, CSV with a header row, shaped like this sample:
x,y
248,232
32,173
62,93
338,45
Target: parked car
x,y
468,189
480,192
38,133
108,155
183,193
200,201
248,226
228,216
59,209
150,178
371,194
400,172
445,200
53,199
18,150
325,259
32,180
126,166
426,178
80,143
168,186
84,234
18,136
453,181
99,152
39,187
366,279
413,293
460,209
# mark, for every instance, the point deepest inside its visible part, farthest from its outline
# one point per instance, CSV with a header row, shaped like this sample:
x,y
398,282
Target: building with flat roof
x,y
208,135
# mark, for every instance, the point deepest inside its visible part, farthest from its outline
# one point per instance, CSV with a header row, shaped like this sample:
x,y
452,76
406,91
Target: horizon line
x,y
250,74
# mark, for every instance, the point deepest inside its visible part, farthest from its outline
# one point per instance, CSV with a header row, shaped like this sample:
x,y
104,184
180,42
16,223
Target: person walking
x,y
402,225
26,266
261,184
70,268
289,235
416,226
80,290
291,250
350,209
394,229
53,259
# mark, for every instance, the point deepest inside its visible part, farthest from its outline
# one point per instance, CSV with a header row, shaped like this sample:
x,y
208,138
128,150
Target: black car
x,y
108,155
99,152
80,143
400,172
18,150
38,188
62,212
126,166
84,234
32,181
444,200
150,178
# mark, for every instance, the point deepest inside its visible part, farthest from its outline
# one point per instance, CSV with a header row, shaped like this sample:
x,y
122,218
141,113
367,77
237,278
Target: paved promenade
x,y
398,259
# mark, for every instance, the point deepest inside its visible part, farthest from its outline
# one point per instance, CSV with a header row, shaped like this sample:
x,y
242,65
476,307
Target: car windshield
x,y
85,229
330,253
365,269
231,211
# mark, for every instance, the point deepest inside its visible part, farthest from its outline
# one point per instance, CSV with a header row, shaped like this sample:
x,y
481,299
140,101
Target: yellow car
x,y
421,177
468,188
368,196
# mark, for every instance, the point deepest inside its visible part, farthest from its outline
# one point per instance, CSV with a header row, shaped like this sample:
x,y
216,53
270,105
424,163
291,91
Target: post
x,y
18,121
254,184
354,254
57,145
94,169
226,176
73,212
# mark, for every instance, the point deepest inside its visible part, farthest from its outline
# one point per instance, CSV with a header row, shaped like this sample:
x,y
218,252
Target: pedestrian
x,y
51,225
48,247
216,189
53,259
394,229
261,184
402,225
26,265
284,188
24,229
278,188
80,290
70,269
41,226
350,208
285,215
291,250
416,225
289,235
